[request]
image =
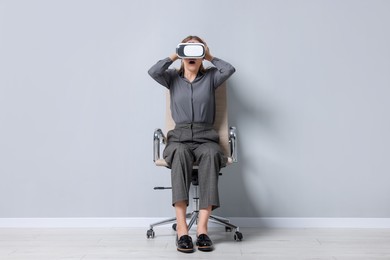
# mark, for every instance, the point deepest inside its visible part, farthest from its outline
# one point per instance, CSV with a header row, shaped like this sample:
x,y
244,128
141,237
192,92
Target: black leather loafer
x,y
184,244
204,243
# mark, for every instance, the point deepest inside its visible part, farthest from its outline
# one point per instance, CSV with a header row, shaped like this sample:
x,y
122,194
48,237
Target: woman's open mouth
x,y
192,62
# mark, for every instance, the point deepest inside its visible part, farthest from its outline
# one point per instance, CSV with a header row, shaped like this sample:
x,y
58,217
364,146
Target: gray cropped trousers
x,y
189,145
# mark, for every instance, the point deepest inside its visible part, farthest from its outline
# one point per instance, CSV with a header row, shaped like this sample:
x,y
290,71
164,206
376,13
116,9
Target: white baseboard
x,y
241,222
313,222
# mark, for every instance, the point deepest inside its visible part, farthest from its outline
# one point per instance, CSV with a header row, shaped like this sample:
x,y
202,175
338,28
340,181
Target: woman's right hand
x,y
174,56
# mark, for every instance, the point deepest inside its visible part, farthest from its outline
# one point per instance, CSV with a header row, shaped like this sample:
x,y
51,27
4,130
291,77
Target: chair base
x,y
193,217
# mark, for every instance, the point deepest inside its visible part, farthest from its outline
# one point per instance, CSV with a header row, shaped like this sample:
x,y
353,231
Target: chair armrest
x,y
233,143
158,138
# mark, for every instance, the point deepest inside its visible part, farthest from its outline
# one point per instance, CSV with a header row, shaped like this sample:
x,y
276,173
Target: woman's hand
x,y
173,56
208,55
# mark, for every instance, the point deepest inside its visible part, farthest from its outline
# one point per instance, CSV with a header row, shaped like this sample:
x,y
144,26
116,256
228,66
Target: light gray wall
x,y
310,99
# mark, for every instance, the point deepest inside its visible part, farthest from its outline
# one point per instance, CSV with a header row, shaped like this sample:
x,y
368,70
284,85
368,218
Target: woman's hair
x,y
187,39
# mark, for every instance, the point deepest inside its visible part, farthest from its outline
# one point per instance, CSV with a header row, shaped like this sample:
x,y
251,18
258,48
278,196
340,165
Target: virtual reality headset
x,y
190,50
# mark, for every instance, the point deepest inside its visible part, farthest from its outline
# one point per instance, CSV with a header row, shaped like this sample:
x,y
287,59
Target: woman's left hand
x,y
208,55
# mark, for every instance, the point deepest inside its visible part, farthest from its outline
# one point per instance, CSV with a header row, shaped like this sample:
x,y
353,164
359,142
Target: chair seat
x,y
162,162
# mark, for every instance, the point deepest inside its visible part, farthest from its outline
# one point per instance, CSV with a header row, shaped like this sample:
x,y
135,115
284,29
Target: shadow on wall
x,y
243,188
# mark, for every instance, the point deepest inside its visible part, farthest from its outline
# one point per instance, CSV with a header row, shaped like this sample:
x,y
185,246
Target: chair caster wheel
x,y
238,236
228,229
150,233
174,226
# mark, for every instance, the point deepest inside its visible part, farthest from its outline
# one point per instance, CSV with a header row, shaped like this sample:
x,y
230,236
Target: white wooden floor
x,y
131,243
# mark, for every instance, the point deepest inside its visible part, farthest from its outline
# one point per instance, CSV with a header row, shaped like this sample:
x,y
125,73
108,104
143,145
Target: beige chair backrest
x,y
221,117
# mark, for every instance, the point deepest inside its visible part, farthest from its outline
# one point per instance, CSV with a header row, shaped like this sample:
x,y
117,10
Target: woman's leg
x,y
204,215
209,159
181,211
180,159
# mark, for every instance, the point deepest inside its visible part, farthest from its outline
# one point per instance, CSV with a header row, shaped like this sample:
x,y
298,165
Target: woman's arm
x,y
223,70
159,71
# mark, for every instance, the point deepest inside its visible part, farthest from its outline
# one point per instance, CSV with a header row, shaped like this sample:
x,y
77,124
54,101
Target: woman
x,y
193,141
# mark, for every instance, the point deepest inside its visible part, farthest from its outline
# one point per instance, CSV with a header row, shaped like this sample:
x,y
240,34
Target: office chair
x,y
228,143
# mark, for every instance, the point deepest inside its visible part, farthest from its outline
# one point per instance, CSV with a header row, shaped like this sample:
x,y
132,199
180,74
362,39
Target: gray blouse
x,y
192,102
